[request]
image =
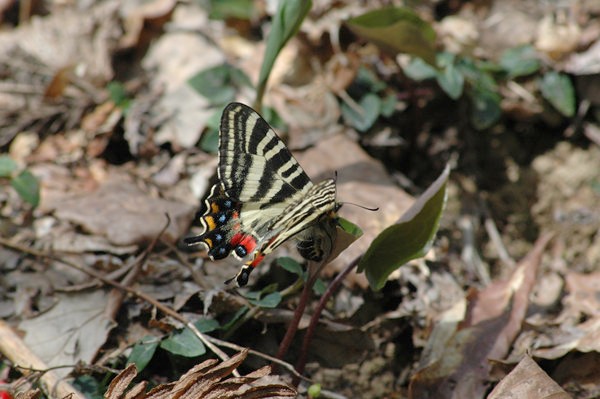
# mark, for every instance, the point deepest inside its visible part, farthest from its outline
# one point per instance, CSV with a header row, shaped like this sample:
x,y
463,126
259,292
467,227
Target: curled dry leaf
x,y
207,380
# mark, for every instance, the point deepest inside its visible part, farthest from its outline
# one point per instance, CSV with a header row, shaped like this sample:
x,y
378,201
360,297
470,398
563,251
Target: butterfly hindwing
x,y
263,197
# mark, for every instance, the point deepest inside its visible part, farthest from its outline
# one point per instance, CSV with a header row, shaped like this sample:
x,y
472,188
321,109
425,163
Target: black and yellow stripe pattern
x,y
263,197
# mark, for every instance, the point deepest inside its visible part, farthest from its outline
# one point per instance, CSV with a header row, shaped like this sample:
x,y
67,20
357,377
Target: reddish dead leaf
x,y
528,380
493,320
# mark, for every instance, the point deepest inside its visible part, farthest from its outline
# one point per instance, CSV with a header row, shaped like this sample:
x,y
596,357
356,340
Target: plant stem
x,y
304,297
314,320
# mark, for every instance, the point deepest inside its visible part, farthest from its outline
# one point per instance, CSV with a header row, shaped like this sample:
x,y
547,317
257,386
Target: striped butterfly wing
x,y
263,197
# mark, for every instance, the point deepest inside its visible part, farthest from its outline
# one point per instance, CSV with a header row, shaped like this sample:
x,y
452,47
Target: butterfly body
x,y
263,197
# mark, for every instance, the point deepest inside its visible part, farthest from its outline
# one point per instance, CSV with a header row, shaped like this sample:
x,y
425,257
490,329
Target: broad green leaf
x,y
27,186
397,30
419,70
346,233
452,81
485,107
219,84
268,301
209,142
286,22
409,239
206,325
143,351
558,90
483,95
388,105
520,61
362,119
290,265
184,343
223,9
7,166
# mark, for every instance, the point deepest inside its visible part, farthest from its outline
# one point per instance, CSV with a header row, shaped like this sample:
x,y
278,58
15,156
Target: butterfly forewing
x,y
255,166
263,196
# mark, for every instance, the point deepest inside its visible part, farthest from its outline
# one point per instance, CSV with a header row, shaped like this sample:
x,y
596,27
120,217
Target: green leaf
x,y
143,351
397,30
319,287
223,9
118,95
362,119
452,81
286,22
219,84
27,186
7,166
388,105
520,61
209,142
290,265
485,107
207,325
410,238
350,227
269,301
314,391
419,70
558,90
184,343
483,95
89,386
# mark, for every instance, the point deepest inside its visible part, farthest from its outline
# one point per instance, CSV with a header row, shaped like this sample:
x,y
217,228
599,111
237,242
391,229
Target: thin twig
x,y
209,341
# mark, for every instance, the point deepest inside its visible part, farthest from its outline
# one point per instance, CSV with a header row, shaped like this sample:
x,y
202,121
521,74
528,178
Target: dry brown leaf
x,y
579,322
124,214
493,320
144,20
528,380
208,380
120,383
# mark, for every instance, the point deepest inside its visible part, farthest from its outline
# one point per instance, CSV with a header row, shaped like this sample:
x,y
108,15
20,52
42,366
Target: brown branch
x,y
13,347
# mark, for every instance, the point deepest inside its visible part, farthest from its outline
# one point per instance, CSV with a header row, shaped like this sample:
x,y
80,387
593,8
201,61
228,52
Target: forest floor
x,y
109,116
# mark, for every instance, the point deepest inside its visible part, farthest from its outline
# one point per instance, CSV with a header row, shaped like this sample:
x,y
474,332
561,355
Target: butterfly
x,y
263,197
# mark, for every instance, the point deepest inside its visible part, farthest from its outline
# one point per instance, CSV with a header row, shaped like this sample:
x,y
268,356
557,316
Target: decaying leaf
x,y
208,380
528,380
72,331
493,320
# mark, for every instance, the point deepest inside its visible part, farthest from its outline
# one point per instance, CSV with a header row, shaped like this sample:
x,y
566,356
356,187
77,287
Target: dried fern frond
x,y
207,380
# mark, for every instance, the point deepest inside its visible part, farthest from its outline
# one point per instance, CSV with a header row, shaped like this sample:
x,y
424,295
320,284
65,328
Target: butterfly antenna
x,y
360,206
